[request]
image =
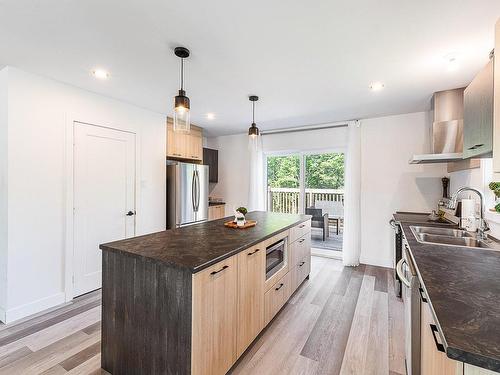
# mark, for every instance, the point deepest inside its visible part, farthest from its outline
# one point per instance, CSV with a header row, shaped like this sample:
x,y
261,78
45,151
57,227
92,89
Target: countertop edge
x,y
457,354
193,270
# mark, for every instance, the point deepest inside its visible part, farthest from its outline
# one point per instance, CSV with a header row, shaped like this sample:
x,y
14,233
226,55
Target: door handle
x,y
476,146
439,346
253,252
301,264
216,272
130,213
399,271
193,191
281,285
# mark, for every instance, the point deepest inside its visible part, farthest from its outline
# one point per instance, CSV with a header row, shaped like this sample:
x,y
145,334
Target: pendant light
x,y
182,106
253,130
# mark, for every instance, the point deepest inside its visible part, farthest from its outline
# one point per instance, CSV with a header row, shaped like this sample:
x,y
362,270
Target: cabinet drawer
x,y
276,297
299,230
300,271
299,249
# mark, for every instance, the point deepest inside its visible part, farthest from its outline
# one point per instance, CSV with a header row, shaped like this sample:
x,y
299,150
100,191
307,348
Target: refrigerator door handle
x,y
198,189
193,191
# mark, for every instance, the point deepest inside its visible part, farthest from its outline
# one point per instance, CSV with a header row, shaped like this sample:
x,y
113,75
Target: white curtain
x,y
351,247
256,197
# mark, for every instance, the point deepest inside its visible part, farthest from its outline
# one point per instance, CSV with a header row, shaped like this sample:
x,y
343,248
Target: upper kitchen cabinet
x,y
184,145
211,158
478,114
496,114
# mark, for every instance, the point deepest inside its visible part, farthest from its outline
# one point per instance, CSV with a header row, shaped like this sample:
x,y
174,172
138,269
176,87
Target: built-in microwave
x,y
275,257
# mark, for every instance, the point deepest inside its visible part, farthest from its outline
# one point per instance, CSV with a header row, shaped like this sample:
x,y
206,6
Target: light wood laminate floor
x,y
342,320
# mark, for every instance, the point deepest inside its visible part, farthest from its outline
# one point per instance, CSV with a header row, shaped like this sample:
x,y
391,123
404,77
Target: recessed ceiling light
x,y
100,74
211,116
376,86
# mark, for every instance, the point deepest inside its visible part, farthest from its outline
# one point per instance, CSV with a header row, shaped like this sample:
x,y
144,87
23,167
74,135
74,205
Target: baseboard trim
x,y
34,307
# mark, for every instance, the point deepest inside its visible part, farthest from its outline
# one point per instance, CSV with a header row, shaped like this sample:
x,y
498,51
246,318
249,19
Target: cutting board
x,y
248,224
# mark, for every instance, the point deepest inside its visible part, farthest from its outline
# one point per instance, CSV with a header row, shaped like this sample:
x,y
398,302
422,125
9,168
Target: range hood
x,y
447,128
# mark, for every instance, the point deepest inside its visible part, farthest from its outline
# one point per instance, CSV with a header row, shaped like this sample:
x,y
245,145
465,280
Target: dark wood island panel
x,y
146,316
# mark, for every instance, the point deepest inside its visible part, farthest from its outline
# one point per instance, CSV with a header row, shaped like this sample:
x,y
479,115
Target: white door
x,y
104,198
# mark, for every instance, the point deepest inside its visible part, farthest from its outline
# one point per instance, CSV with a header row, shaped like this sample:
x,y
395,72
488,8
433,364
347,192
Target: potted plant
x,y
239,216
495,187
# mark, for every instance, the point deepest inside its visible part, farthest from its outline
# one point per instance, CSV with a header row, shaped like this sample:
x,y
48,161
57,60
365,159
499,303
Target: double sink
x,y
451,237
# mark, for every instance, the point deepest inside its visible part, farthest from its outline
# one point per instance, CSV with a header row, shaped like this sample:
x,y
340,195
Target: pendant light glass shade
x,y
182,121
253,130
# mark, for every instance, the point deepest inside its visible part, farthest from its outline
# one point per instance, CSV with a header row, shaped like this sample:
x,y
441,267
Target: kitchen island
x,y
191,300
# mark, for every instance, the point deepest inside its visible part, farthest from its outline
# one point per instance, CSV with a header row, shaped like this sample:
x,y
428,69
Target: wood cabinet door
x,y
299,272
195,146
215,314
473,370
276,297
251,277
433,359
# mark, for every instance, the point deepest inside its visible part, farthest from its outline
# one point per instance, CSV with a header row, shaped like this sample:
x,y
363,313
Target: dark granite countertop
x,y
201,245
463,286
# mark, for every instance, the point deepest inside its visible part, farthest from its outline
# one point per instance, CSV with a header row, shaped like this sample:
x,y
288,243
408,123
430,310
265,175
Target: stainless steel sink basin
x,y
441,231
451,237
453,241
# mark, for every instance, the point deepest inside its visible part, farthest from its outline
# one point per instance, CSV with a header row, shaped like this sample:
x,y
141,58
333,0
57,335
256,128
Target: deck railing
x,y
286,200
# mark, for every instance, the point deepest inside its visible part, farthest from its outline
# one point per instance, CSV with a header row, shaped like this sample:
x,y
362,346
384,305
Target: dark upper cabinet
x,y
478,115
211,158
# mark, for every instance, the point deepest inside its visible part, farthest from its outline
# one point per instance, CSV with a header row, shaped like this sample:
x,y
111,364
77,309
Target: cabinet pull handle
x,y
476,146
194,157
176,154
302,240
253,252
301,264
278,288
439,346
422,295
216,272
302,225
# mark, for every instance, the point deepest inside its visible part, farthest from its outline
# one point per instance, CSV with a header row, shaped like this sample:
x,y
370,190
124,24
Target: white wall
x,y
3,192
389,183
39,110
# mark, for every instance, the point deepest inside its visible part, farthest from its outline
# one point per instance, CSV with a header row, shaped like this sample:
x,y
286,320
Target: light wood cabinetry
x,y
496,102
433,358
216,212
184,145
277,296
233,301
215,298
251,278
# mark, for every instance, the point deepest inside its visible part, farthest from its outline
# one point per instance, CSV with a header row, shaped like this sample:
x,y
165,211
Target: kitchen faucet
x,y
483,226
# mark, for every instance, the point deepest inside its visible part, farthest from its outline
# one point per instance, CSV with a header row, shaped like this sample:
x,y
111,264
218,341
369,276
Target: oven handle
x,y
399,271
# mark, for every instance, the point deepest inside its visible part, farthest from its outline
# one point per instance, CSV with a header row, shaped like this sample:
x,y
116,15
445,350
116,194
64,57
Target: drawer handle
x,y
176,154
301,264
194,157
439,346
281,285
216,272
302,240
422,295
253,252
302,225
476,146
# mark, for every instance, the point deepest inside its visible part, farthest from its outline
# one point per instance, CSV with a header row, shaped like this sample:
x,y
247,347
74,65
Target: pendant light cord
x,y
253,112
182,74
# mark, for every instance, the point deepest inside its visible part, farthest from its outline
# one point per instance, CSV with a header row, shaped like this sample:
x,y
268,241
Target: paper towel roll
x,y
468,208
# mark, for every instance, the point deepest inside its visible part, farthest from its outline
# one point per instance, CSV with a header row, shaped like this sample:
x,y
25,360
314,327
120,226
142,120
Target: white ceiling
x,y
310,62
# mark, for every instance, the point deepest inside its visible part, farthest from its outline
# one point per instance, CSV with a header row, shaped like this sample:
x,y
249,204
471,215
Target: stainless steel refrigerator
x,y
187,194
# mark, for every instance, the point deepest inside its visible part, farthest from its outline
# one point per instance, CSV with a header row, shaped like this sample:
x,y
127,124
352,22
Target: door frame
x,y
302,170
69,229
